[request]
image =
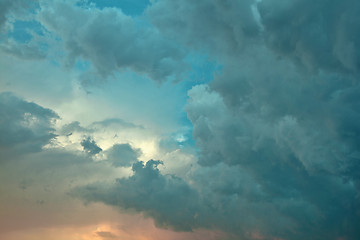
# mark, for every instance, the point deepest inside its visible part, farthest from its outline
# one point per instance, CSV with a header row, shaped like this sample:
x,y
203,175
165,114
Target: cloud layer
x,y
277,129
25,126
113,41
276,132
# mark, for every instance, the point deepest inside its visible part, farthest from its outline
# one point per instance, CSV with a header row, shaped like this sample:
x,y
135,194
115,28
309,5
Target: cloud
x,y
24,126
276,130
291,161
115,121
127,6
8,7
218,26
106,123
106,235
113,41
122,155
233,200
11,13
317,34
169,200
90,146
74,127
275,140
31,50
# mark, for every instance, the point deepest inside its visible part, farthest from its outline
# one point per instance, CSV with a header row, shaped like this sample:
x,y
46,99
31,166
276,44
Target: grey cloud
x,y
106,235
275,141
12,11
122,155
74,127
12,6
30,50
113,41
221,27
278,146
109,122
166,198
317,34
38,183
295,134
306,115
115,121
127,6
24,126
90,146
234,200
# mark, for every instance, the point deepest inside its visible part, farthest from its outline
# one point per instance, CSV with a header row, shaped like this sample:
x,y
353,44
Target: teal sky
x,y
172,120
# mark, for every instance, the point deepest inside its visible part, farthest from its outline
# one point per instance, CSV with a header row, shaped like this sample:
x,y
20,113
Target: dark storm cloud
x,y
122,155
219,26
167,199
24,126
113,41
278,144
319,34
90,146
299,163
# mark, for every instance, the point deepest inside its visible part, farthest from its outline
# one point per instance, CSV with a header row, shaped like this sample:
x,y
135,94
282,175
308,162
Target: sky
x,y
173,120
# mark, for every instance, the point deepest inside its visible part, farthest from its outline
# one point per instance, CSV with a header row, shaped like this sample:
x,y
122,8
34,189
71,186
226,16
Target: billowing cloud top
x,y
275,146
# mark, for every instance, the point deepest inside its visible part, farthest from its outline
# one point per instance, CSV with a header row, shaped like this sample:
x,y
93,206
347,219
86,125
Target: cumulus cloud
x,y
90,146
24,126
317,34
122,155
30,50
222,27
276,141
113,41
277,129
292,160
166,198
69,128
115,121
8,7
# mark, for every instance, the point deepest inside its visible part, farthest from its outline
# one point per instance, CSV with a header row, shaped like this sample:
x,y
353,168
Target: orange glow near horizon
x,y
147,231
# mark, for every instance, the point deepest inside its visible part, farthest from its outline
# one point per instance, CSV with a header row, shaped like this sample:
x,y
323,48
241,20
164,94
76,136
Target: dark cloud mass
x,y
113,41
216,26
167,199
122,155
318,34
24,126
90,146
278,128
